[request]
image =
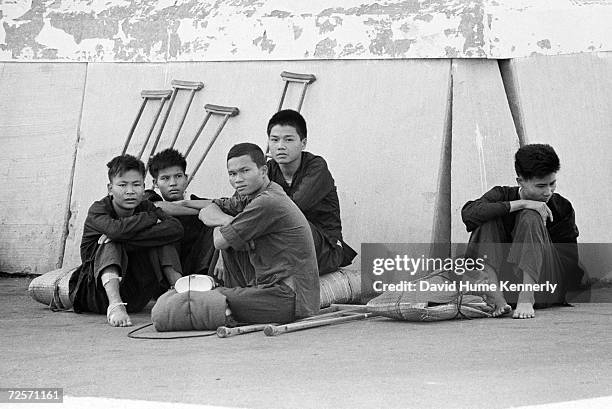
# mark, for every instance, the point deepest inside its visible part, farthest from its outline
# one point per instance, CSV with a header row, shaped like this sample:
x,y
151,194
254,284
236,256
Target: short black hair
x,y
291,118
250,149
165,159
536,160
122,163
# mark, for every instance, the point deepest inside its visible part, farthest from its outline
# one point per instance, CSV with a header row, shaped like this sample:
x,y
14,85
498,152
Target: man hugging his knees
x,y
308,182
278,279
196,249
127,250
540,259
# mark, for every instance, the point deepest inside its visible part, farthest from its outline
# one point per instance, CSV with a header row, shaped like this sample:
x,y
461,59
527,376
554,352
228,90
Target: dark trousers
x,y
261,304
141,276
197,248
251,303
329,255
527,248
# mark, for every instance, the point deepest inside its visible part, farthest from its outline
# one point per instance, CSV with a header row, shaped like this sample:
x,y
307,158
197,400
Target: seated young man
x,y
538,225
196,249
307,181
127,250
262,222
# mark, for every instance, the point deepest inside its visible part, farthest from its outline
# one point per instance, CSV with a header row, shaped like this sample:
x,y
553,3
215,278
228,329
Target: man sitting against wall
x,y
538,226
278,281
127,250
308,182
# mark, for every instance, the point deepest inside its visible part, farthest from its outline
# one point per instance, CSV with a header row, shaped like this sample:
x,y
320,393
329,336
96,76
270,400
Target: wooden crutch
x,y
177,85
334,310
273,330
211,109
226,332
304,79
147,95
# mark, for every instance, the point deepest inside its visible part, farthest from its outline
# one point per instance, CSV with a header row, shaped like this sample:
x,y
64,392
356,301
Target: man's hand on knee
x,y
540,207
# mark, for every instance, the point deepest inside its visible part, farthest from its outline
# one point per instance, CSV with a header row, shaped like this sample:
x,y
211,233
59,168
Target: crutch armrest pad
x,y
292,76
156,93
219,109
197,85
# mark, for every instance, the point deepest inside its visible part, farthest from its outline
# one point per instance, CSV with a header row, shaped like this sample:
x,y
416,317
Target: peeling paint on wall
x,y
191,30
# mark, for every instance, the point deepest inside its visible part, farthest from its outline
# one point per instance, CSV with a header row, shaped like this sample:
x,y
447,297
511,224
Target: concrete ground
x,y
563,355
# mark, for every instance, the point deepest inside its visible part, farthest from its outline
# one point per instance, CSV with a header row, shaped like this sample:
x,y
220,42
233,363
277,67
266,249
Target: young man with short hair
x,y
127,249
539,227
262,222
308,182
196,249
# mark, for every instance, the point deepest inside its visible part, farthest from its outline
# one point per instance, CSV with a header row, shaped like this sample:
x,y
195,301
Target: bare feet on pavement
x,y
524,306
117,315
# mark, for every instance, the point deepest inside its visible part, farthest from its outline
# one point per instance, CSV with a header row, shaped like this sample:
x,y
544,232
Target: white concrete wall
x,y
567,102
40,107
379,123
484,139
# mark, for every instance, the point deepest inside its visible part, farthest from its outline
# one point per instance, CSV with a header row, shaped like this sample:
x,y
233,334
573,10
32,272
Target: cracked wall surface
x,y
228,30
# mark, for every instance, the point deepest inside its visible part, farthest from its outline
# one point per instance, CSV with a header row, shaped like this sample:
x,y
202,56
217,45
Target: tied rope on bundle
x,y
430,305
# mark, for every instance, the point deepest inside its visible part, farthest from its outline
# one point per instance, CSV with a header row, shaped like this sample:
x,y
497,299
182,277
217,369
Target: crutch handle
x,y
294,77
196,85
219,109
156,94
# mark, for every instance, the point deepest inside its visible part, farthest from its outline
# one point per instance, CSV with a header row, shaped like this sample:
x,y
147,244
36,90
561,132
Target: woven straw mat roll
x,y
52,288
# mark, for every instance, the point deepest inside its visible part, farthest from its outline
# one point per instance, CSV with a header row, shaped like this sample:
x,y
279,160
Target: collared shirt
x,y
277,236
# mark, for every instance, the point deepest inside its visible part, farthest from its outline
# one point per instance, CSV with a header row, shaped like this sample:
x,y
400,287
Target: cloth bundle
x,y
189,310
429,305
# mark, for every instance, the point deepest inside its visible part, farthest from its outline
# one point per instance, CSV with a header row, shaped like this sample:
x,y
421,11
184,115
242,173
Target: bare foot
x,y
495,298
524,306
117,315
501,309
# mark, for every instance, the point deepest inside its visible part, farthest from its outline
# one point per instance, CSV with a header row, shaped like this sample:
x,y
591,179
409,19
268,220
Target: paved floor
x,y
565,354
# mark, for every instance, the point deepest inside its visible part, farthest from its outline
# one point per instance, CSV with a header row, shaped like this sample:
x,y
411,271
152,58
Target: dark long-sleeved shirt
x,y
314,191
139,230
496,203
562,230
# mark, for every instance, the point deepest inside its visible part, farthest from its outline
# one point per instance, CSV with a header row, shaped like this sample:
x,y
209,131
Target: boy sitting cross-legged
x,y
127,250
278,280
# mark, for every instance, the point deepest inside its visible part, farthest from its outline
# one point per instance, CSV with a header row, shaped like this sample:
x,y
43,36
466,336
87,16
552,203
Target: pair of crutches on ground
x,y
335,314
170,95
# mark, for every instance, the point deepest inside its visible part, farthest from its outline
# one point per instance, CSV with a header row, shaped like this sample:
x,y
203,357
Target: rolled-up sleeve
x,y
254,221
232,205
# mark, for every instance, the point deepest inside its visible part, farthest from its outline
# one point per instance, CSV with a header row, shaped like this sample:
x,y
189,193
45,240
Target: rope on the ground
x,y
132,332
